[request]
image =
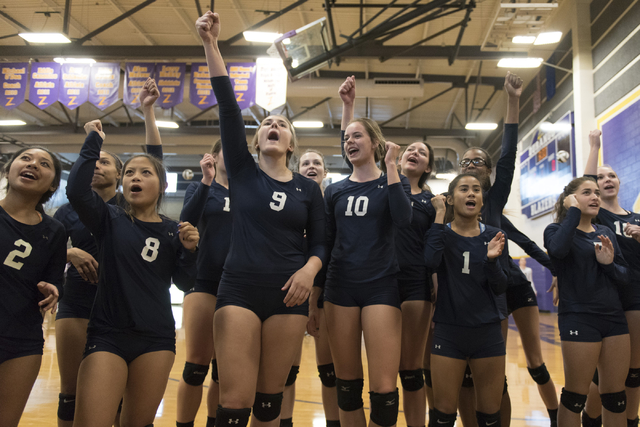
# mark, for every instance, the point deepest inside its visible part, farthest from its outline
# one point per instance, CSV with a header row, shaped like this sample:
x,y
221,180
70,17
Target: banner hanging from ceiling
x,y
200,91
45,84
170,81
136,73
243,80
104,84
13,84
74,84
271,83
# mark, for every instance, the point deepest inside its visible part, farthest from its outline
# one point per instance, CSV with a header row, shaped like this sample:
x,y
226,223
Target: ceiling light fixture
x,y
45,37
523,39
520,62
164,124
12,123
75,60
260,36
548,38
308,124
481,126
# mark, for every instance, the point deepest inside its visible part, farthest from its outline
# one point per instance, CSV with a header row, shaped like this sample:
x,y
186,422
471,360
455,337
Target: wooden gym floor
x,y
528,409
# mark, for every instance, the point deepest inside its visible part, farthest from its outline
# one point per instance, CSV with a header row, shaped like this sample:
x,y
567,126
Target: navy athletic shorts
x,y
521,296
263,301
380,292
205,286
126,345
583,327
12,348
462,342
77,301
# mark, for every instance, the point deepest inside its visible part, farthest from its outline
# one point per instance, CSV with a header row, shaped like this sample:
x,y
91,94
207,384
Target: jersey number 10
x,y
361,205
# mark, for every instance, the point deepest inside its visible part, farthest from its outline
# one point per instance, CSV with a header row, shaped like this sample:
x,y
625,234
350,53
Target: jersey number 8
x,y
150,251
9,260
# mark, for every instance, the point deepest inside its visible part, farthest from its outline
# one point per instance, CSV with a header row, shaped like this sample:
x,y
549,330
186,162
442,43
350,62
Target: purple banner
x,y
243,80
74,82
45,84
170,80
134,77
13,79
104,84
200,90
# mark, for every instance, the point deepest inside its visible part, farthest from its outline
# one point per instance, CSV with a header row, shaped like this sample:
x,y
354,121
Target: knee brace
x,y
267,406
412,380
488,420
327,374
293,374
66,406
427,377
384,408
214,371
194,374
440,419
572,401
349,394
614,402
633,378
467,381
233,417
540,374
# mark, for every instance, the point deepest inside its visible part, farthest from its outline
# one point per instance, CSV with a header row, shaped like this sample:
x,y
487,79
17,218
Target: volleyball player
x,y
207,204
361,290
468,257
82,276
32,249
626,226
417,162
131,334
262,310
593,329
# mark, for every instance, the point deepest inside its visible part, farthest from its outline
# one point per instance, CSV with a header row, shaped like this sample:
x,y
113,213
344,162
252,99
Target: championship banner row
x,y
262,83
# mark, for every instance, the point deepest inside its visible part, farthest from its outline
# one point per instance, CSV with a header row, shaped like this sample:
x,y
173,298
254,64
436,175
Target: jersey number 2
x,y
465,267
150,251
9,260
279,197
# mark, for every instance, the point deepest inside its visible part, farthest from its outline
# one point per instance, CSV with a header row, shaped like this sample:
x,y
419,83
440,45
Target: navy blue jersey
x,y
410,241
209,207
496,198
270,217
30,254
468,283
362,218
584,285
629,246
139,258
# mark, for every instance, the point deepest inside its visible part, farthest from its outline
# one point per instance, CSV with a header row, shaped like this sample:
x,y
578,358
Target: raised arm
x,y
591,167
148,97
434,239
559,237
347,94
232,132
196,195
91,209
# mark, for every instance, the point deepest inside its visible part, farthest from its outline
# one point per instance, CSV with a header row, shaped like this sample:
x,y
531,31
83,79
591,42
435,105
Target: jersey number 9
x,y
279,197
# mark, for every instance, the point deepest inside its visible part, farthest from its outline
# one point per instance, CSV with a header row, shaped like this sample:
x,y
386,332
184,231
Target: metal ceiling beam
x,y
457,81
186,20
113,22
268,19
467,18
380,5
199,8
67,15
430,17
14,22
416,106
307,109
74,22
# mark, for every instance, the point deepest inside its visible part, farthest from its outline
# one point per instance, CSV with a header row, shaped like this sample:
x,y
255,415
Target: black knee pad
x,y
632,423
286,422
467,381
66,406
587,421
194,374
293,374
572,401
327,374
440,419
614,402
189,424
540,374
412,380
149,425
488,420
633,378
350,394
211,422
233,417
214,371
505,389
333,423
267,406
427,377
384,408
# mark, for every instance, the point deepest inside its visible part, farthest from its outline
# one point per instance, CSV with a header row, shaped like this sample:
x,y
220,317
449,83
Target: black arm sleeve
x,y
400,204
155,151
195,199
330,226
495,275
434,246
558,239
91,209
316,227
185,273
506,164
527,245
232,132
618,270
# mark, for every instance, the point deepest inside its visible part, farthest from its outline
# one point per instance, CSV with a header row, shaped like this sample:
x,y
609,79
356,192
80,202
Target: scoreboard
x,y
547,165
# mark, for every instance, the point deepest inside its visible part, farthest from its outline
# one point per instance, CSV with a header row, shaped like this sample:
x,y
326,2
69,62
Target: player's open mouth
x,y
609,187
273,135
311,173
471,203
28,175
594,205
413,160
351,151
135,189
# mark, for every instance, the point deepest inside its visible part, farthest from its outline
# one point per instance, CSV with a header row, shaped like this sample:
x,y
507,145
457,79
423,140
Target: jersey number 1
x,y
150,251
465,267
9,260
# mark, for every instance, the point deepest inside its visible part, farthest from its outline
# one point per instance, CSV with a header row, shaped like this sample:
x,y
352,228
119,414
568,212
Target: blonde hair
x,y
376,136
294,138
